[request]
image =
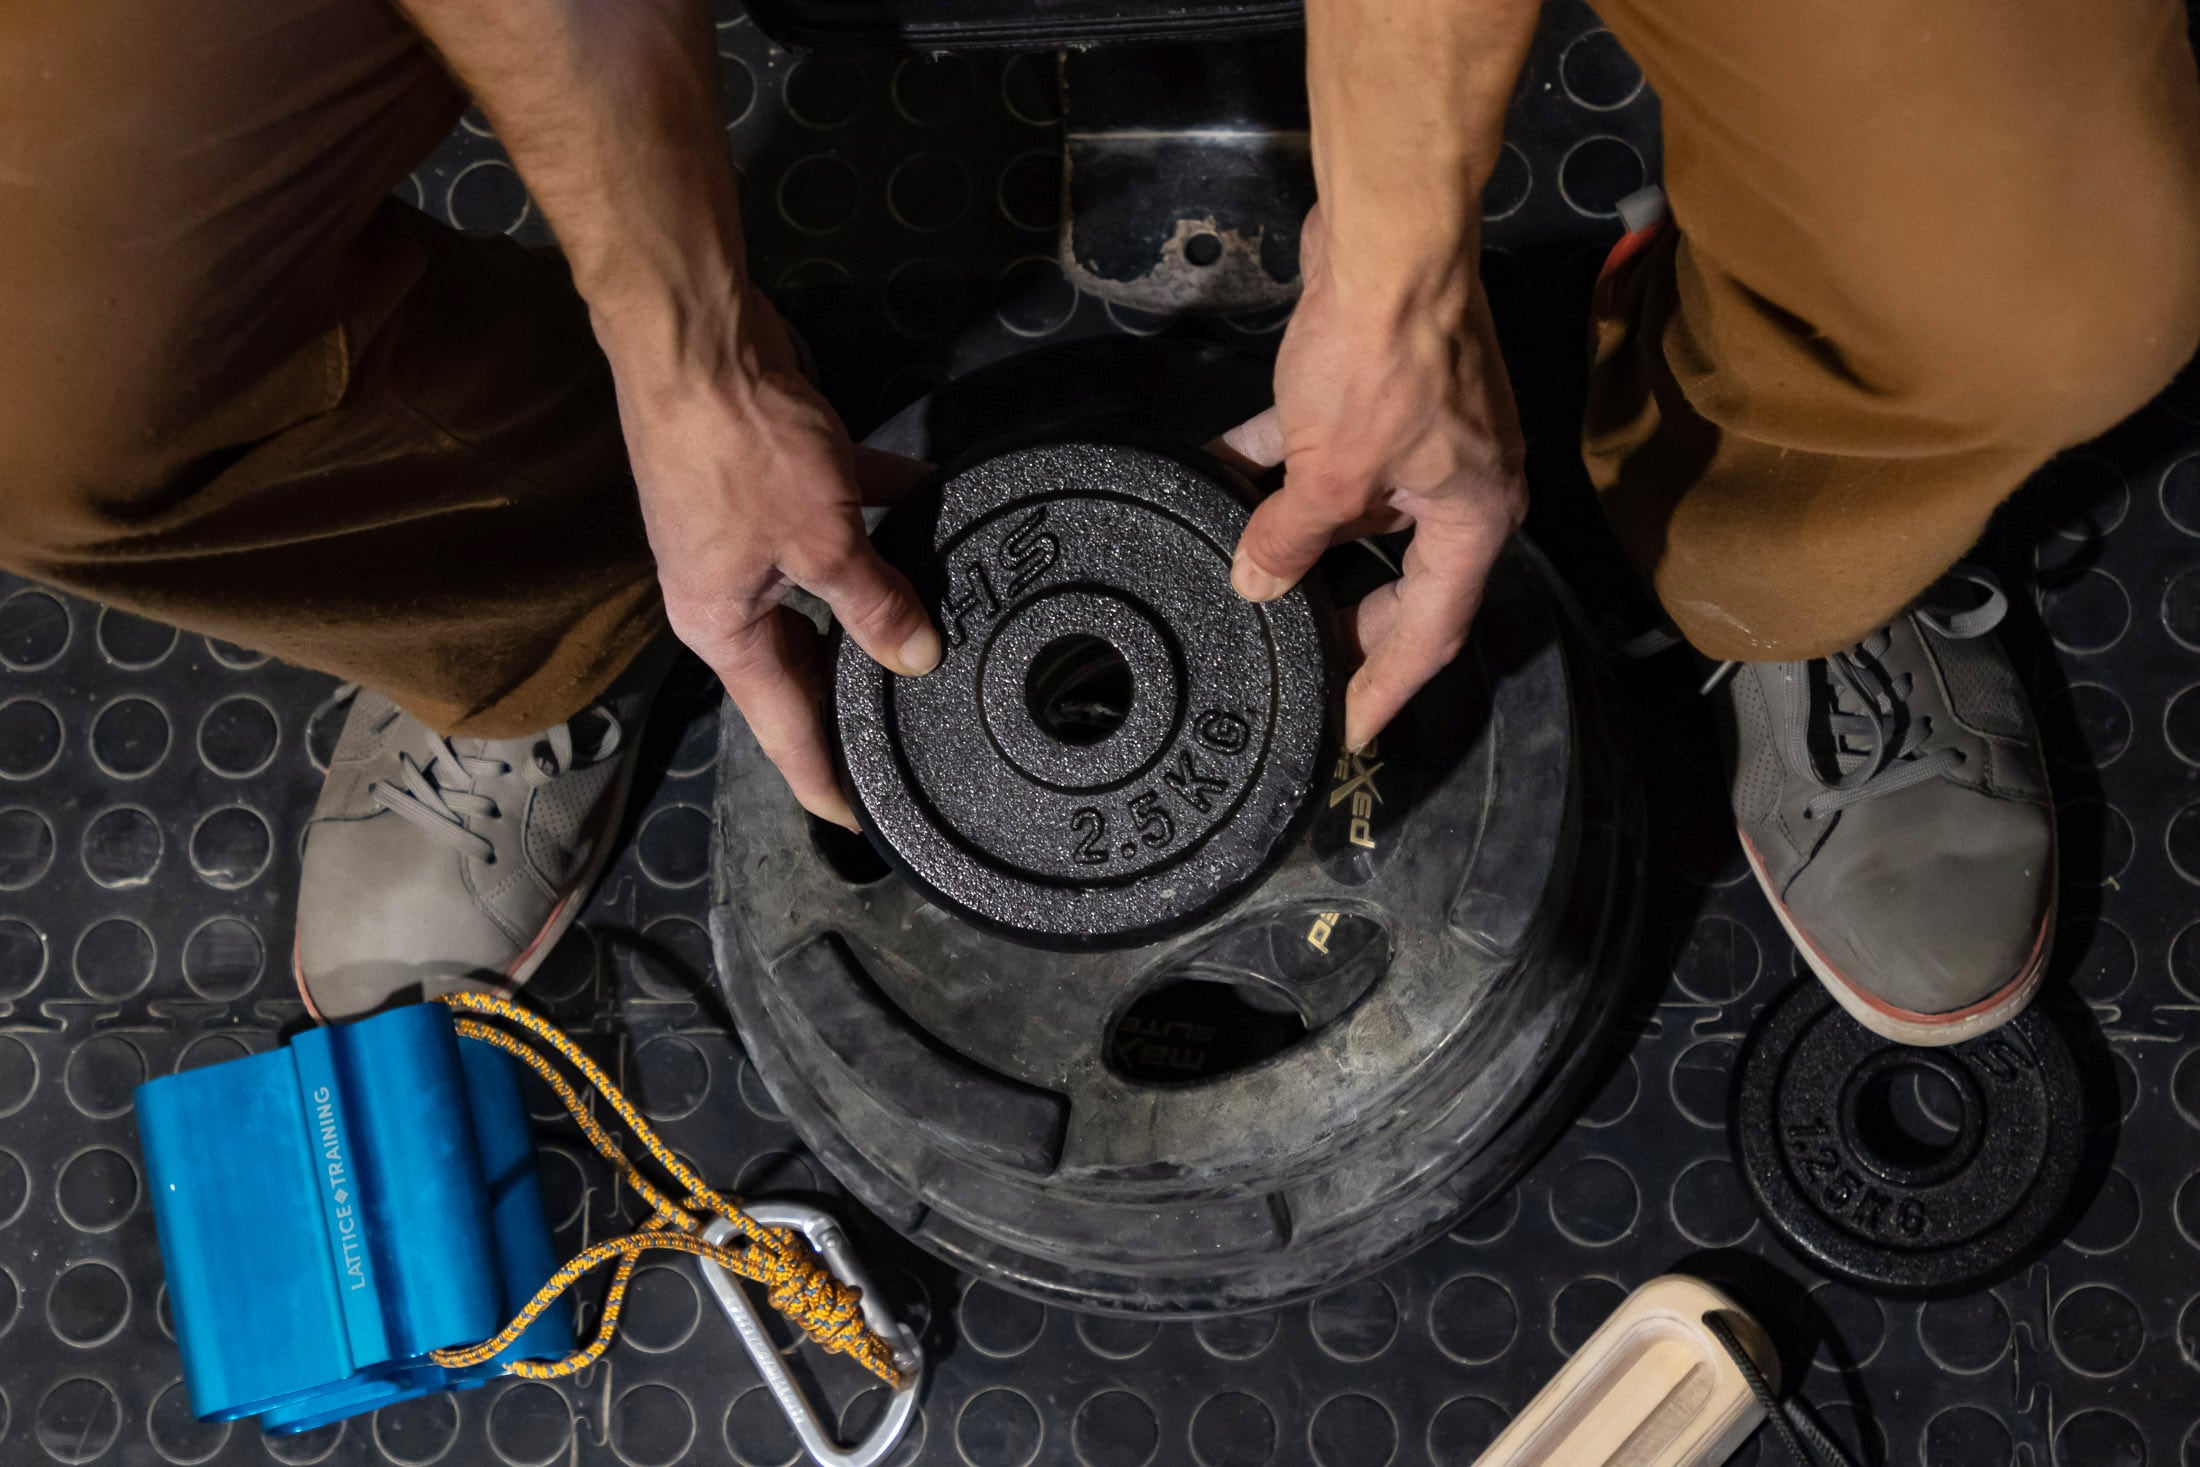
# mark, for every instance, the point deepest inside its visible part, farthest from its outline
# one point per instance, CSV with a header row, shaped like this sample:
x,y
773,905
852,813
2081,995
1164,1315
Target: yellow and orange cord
x,y
799,1286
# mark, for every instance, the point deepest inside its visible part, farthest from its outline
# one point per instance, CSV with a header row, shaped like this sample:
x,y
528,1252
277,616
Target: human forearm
x,y
610,110
748,484
1392,407
1409,100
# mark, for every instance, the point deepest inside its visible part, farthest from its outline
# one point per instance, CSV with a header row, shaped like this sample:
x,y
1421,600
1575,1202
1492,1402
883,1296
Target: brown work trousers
x,y
1919,249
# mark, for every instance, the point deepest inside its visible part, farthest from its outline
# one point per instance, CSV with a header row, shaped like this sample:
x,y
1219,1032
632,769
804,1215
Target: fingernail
x,y
1253,583
921,653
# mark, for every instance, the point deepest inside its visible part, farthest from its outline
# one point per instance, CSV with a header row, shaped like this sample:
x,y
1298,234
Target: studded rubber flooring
x,y
152,787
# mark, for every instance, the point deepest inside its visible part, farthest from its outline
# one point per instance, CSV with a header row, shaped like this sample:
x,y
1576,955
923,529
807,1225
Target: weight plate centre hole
x,y
1079,688
1914,1118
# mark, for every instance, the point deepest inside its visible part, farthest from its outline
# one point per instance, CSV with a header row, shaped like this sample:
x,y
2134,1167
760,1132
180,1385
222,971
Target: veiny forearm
x,y
1409,101
611,112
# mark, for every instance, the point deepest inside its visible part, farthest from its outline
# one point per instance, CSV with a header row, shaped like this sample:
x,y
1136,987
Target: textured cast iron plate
x,y
152,788
1226,717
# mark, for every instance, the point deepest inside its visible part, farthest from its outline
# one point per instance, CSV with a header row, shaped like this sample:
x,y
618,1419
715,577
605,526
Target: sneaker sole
x,y
611,810
1903,1026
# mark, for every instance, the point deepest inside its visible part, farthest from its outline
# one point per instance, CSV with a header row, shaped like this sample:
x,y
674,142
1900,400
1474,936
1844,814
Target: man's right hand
x,y
748,483
750,488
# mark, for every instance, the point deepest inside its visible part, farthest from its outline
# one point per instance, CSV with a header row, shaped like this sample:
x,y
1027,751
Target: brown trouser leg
x,y
1920,248
242,391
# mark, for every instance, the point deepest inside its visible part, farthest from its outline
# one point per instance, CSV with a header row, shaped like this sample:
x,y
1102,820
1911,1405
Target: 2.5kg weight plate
x,y
1114,743
1912,1171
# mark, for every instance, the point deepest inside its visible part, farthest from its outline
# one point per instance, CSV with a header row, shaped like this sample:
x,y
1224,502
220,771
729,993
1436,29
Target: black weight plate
x,y
1910,1171
1114,744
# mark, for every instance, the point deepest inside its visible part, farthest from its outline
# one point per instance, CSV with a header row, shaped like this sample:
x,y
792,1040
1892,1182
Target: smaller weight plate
x,y
1114,744
1909,1171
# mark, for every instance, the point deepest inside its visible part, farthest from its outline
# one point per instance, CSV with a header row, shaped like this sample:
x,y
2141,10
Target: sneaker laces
x,y
439,795
1876,745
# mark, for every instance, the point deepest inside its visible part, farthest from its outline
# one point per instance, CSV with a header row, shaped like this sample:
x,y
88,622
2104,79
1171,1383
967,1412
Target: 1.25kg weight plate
x,y
1907,1170
1114,743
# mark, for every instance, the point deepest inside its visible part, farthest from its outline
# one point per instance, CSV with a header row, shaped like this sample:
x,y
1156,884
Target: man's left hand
x,y
1392,408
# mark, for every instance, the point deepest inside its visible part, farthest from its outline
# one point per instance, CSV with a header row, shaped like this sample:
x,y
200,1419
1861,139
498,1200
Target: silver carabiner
x,y
831,1243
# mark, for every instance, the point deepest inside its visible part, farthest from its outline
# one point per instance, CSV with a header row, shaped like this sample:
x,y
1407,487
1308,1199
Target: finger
x,y
1253,447
873,602
1369,620
1418,623
1289,532
883,478
768,667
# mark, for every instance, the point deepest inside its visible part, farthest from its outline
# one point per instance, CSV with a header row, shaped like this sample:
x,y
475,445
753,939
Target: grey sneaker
x,y
1893,803
432,863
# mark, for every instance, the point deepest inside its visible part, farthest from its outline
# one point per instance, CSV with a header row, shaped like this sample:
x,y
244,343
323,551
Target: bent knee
x,y
54,457
2050,338
2074,352
106,428
76,417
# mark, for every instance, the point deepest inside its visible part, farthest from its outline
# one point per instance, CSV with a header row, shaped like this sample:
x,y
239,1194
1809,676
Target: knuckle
x,y
740,655
1410,659
1512,504
1337,490
696,629
1266,539
1286,555
825,554
685,624
824,569
1376,688
712,626
873,606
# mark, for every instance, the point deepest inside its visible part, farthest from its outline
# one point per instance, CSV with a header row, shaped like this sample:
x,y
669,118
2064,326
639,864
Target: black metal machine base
x,y
1296,1090
1186,174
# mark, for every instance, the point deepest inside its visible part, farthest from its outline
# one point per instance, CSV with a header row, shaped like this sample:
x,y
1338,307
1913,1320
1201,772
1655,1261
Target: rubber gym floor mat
x,y
153,786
